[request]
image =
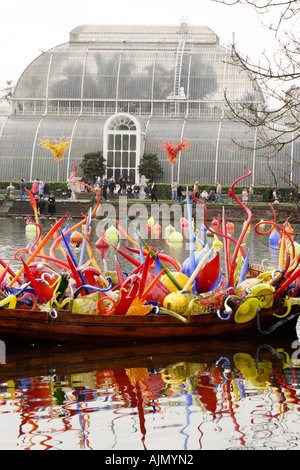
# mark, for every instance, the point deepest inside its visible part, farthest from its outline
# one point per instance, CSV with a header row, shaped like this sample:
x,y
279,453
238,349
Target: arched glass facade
x,y
123,89
121,147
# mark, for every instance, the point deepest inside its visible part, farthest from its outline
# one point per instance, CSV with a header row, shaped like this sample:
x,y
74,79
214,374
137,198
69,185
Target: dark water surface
x,y
171,396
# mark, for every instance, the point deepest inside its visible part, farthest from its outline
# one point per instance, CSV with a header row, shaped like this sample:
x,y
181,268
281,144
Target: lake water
x,y
210,395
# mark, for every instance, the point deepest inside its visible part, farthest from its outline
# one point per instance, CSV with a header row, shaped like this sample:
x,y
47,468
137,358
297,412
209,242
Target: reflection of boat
x,y
82,393
23,360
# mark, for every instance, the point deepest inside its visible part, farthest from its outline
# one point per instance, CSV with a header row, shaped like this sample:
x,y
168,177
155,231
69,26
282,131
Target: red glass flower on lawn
x,y
173,150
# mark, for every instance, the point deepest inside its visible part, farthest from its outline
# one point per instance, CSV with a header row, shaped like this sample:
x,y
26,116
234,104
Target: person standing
x,y
219,193
129,190
41,204
146,191
136,191
245,196
270,197
174,187
104,191
41,188
251,193
35,187
196,189
86,188
111,186
153,191
122,183
51,205
23,187
105,185
179,193
230,197
46,189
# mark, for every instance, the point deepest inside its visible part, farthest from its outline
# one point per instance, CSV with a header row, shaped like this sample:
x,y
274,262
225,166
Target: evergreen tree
x,y
150,166
93,164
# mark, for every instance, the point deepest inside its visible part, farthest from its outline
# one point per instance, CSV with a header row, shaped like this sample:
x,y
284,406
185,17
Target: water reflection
x,y
208,396
14,236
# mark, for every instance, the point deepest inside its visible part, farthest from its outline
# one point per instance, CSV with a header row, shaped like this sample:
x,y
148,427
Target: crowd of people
x,y
216,195
38,188
276,197
42,194
109,188
177,192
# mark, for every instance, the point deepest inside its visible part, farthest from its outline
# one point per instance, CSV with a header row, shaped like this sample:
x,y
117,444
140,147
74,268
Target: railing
x,y
138,108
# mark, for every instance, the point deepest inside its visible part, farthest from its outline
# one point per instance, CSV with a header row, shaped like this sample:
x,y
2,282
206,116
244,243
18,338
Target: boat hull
x,y
71,327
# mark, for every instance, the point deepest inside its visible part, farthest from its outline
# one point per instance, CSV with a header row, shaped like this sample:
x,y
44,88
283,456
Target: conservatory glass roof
x,y
136,63
143,33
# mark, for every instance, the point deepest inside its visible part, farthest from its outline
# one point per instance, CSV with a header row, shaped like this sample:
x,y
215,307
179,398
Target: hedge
x,y
53,185
164,190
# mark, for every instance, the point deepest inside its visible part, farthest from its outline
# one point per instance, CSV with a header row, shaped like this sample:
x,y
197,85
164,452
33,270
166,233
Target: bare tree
x,y
286,9
277,122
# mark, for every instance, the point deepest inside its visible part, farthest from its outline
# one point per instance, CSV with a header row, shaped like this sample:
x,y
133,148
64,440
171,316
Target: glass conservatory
x,y
124,89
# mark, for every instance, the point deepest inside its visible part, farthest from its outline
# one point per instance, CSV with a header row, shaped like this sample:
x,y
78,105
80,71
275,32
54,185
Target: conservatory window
x,y
121,144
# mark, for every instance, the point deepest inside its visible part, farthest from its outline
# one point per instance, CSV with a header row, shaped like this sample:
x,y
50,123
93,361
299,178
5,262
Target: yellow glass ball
x,y
181,278
176,301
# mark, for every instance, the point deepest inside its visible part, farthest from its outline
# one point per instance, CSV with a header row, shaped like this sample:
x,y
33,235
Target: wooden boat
x,y
68,326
